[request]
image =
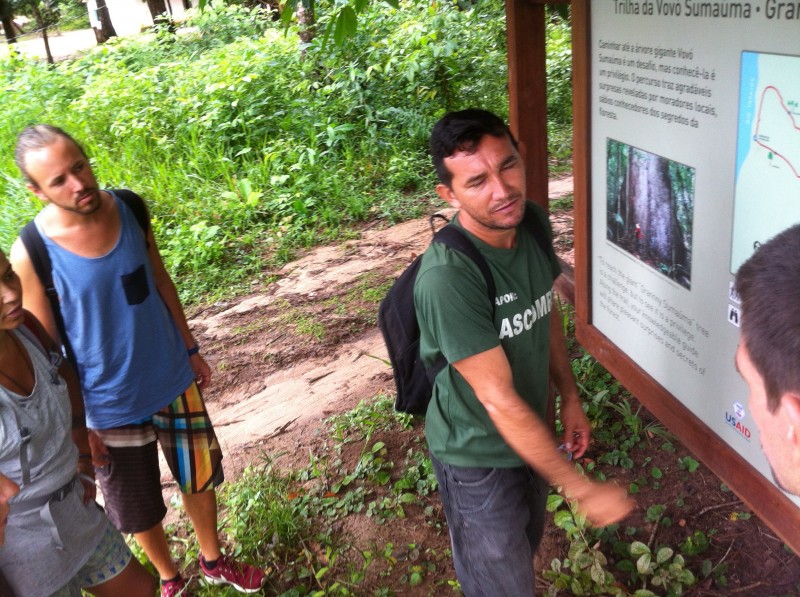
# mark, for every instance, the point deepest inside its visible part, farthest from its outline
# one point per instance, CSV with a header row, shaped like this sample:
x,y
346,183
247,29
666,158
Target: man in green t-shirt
x,y
490,448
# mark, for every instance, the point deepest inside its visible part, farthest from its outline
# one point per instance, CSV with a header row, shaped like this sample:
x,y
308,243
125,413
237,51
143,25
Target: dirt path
x,y
62,44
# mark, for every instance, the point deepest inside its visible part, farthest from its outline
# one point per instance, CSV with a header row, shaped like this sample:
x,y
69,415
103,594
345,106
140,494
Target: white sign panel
x,y
695,161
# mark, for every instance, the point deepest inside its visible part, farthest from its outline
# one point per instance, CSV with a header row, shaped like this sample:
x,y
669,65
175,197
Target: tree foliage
x,y
244,148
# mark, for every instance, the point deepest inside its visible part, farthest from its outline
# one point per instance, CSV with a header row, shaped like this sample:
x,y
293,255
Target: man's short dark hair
x,y
462,131
37,137
769,286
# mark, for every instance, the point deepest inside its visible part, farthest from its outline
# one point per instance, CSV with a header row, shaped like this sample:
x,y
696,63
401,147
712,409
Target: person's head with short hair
x,y
38,137
768,356
462,131
57,169
481,174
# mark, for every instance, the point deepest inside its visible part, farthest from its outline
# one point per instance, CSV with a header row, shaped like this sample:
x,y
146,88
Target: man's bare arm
x,y
489,375
169,294
34,298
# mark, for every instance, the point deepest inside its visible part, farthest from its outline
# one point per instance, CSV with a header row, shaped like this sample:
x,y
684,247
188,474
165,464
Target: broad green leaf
x,y
654,512
346,24
664,554
638,548
583,560
562,517
576,587
644,563
687,577
554,501
598,574
575,548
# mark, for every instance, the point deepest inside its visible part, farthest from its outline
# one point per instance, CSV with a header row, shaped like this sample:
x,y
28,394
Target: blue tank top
x,y
131,359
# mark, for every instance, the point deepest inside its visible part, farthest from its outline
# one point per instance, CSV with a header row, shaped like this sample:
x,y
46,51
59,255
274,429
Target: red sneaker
x,y
242,577
175,588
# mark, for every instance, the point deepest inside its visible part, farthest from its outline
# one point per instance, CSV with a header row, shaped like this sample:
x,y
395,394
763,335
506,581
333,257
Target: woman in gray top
x,y
57,539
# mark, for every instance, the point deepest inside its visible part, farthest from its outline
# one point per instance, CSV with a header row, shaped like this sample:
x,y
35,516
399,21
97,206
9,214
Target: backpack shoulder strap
x,y
33,332
455,239
40,259
534,226
136,204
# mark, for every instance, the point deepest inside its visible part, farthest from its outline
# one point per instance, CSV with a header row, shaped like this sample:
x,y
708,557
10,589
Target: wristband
x,y
193,350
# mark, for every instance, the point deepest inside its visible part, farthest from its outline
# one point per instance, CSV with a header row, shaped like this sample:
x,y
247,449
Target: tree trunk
x,y
43,28
159,13
305,18
660,238
618,186
631,217
8,24
106,30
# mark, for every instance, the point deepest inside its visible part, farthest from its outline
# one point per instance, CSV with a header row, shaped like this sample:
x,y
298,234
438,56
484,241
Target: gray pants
x,y
496,520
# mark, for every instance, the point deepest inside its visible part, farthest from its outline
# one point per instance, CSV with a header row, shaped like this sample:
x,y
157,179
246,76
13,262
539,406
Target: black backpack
x,y
397,318
40,259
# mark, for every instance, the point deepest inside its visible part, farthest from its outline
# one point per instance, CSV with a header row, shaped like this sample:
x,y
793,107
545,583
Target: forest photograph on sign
x,y
650,206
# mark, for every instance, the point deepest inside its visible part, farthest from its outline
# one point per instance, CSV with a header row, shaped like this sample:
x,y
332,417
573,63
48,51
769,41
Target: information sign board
x,y
693,144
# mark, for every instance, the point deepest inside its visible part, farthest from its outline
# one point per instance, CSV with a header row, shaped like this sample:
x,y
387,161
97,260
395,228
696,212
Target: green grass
x,y
291,518
287,518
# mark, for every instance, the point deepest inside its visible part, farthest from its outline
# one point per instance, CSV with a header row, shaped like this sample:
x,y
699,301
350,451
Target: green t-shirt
x,y
455,319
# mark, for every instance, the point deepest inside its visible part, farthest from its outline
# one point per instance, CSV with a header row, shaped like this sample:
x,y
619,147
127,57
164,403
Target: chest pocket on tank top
x,y
135,286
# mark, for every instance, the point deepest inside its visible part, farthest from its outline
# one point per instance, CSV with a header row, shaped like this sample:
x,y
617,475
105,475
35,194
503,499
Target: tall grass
x,y
247,148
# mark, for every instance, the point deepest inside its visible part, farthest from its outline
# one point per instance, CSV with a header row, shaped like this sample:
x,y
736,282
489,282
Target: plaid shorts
x,y
131,484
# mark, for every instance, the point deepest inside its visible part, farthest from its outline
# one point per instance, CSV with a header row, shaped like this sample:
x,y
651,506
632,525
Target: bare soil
x,y
305,347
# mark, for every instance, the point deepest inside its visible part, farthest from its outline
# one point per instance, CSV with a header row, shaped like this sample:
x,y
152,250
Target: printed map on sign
x,y
767,191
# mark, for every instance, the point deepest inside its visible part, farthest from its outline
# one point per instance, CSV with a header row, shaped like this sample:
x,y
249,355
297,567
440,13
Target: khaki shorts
x,y
131,483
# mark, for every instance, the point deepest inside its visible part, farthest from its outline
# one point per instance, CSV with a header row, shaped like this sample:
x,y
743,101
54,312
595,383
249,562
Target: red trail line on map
x,y
791,117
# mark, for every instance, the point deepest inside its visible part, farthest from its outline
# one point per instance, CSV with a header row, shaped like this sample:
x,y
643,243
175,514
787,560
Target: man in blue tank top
x,y
140,368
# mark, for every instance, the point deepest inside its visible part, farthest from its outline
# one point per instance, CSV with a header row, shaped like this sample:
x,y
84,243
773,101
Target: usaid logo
x,y
738,410
737,425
